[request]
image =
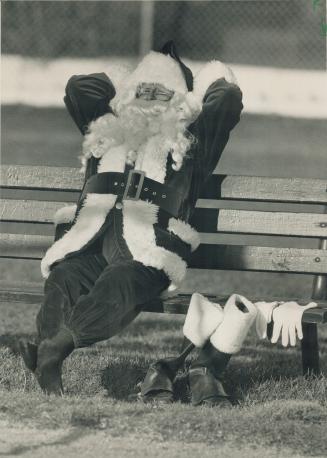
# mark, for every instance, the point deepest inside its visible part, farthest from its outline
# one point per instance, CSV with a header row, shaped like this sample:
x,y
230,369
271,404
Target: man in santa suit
x,y
150,144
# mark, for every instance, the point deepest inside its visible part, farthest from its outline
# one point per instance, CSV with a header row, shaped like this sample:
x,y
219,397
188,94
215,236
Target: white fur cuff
x,y
65,214
185,232
202,319
230,335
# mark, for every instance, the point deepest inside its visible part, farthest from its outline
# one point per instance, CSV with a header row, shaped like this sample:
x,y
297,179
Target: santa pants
x,y
96,297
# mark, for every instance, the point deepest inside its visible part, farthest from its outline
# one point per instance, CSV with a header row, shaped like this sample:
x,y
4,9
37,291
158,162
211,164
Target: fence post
x,y
146,27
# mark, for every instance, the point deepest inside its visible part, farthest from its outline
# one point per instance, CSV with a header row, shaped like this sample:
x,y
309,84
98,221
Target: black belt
x,y
136,186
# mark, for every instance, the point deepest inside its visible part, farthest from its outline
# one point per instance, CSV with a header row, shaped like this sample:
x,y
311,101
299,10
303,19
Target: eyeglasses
x,y
153,91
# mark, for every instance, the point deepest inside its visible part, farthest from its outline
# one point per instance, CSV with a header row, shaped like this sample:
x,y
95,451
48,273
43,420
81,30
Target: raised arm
x,y
222,106
88,97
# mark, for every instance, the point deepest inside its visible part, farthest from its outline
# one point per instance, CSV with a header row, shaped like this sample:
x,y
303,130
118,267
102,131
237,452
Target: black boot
x,y
158,383
28,351
204,377
186,343
50,356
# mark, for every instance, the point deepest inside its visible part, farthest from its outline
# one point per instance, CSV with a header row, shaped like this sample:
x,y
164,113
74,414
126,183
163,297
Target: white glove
x,y
264,316
288,321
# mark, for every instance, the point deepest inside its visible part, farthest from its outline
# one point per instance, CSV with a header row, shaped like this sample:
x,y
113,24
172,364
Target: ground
x,y
279,413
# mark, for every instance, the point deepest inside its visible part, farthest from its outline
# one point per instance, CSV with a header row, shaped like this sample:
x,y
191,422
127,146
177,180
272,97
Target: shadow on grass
x,y
123,377
68,439
126,358
10,341
254,366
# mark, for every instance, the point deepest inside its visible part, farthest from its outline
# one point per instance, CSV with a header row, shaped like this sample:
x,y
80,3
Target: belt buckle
x,y
139,186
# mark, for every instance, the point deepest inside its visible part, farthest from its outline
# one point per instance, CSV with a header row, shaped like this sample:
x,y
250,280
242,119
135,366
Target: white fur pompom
x,y
211,72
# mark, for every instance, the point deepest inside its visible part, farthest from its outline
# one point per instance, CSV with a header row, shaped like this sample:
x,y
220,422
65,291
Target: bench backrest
x,y
30,195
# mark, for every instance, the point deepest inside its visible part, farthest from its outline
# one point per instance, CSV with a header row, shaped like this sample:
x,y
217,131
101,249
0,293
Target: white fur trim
x,y
65,214
230,335
202,319
185,232
90,219
139,218
208,75
139,234
91,216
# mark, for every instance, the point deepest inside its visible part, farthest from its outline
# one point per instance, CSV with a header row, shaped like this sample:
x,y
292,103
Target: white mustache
x,y
155,110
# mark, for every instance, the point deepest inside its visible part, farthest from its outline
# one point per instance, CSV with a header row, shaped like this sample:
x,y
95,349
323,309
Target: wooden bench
x,y
31,195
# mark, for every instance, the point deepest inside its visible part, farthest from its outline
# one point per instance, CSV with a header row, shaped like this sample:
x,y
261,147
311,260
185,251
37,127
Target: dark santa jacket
x,y
152,235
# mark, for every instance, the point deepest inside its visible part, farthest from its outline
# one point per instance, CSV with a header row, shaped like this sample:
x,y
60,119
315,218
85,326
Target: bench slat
x,y
24,246
26,228
229,257
37,194
231,238
218,186
266,189
260,222
27,292
176,305
204,219
279,223
29,210
257,258
20,176
316,315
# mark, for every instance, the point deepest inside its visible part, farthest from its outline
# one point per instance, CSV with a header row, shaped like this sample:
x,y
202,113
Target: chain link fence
x,y
277,33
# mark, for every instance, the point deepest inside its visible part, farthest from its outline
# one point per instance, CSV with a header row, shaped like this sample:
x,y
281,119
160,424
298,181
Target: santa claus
x,y
150,145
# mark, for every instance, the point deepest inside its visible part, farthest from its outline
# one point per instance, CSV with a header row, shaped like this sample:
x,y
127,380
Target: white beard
x,y
135,126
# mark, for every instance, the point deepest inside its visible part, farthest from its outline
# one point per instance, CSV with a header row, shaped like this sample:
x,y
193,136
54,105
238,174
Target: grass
x,y
280,413
278,409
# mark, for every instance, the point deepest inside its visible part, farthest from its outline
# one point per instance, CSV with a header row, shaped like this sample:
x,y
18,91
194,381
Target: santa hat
x,y
166,67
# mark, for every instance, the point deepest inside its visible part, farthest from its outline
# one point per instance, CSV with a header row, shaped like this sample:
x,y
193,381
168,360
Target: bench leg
x,y
310,349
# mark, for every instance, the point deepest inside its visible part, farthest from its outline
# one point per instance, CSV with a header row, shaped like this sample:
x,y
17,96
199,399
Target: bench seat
x,y
246,223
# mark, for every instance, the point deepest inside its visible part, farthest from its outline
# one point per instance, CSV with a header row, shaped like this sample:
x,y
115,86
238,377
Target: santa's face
x,y
153,91
152,97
